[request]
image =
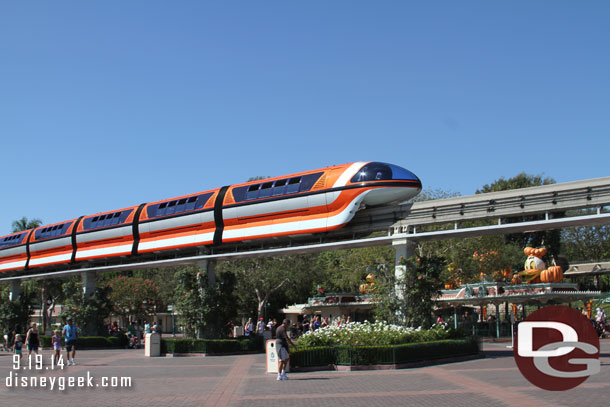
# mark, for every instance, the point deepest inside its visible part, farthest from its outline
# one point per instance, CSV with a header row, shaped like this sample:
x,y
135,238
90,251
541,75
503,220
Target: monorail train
x,y
304,203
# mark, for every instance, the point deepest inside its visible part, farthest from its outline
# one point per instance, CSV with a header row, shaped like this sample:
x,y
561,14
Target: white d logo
x,y
526,338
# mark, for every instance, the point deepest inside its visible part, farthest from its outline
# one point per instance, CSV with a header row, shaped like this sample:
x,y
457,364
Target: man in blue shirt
x,y
70,332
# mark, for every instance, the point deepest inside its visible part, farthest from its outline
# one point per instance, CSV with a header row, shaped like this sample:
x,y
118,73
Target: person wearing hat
x,y
70,332
282,342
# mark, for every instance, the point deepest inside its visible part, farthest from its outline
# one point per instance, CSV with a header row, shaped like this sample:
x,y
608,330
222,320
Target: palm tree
x,y
25,224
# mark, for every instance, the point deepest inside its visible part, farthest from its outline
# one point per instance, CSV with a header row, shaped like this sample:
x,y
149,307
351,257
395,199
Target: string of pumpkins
x,y
536,270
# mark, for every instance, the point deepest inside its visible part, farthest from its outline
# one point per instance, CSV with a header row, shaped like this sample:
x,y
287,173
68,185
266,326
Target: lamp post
x,y
171,308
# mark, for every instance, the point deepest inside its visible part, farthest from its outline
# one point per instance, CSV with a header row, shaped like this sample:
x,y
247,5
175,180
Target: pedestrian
x,y
274,327
316,322
56,341
305,324
146,327
70,332
9,338
32,339
282,342
260,326
17,345
249,327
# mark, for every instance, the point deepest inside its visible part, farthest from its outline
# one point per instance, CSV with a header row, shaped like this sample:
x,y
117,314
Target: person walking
x,y
70,332
249,327
56,341
260,327
282,342
17,345
32,339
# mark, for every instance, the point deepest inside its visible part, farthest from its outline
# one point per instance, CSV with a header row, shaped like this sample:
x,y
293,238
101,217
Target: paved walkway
x,y
241,381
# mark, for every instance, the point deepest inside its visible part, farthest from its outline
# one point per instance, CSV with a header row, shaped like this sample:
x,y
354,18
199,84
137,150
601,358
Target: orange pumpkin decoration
x,y
529,251
516,279
540,252
364,288
448,286
553,274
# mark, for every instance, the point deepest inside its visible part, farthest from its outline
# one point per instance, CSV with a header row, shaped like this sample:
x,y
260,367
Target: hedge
x,y
217,346
90,342
385,354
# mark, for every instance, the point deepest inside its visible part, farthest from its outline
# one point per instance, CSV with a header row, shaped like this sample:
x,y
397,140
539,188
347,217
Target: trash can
x,y
153,345
272,357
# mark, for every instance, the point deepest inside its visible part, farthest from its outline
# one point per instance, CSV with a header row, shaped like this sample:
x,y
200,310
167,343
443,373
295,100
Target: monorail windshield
x,y
377,171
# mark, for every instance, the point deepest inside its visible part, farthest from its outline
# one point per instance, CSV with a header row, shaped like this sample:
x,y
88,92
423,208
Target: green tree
x,y
459,252
133,297
345,270
550,238
586,244
204,308
25,224
16,314
410,300
259,278
89,312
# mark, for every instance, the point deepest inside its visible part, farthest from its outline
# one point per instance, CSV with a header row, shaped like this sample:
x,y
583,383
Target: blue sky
x,y
104,105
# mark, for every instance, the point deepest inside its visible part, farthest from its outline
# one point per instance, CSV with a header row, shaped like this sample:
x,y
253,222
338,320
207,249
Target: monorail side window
x,y
180,205
252,192
293,185
190,204
266,190
280,187
162,209
171,208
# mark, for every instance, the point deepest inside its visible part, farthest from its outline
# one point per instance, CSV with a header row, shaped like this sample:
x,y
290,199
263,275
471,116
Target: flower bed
x,y
378,333
379,343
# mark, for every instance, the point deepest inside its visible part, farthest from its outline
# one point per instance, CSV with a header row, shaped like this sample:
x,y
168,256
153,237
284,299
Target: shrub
x,y
242,344
89,342
316,356
384,354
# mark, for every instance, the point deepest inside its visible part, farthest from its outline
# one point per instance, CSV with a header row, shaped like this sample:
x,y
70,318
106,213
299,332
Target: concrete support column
x,y
210,330
403,248
208,267
15,290
89,280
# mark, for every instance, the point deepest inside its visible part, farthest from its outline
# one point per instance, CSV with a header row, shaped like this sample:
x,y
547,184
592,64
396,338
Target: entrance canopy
x,y
485,293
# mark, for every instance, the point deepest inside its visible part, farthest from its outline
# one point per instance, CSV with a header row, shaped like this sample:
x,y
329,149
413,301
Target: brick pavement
x,y
240,380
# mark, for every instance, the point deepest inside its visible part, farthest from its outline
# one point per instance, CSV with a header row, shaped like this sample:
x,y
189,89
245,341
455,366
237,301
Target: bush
x,y
89,342
173,345
219,346
384,354
316,356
